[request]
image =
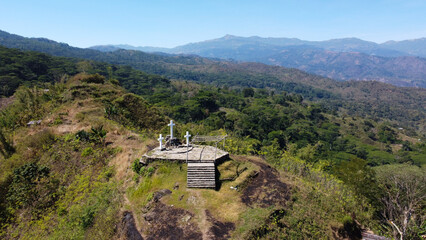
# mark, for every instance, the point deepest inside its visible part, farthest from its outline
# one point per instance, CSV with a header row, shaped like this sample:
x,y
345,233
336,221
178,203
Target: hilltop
x,y
299,170
77,175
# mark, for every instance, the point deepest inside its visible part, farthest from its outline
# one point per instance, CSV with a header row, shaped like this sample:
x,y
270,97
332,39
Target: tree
x,y
403,198
84,66
357,174
387,134
248,92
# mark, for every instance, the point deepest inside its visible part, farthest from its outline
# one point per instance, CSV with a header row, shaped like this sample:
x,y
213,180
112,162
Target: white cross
x,y
187,138
171,124
160,139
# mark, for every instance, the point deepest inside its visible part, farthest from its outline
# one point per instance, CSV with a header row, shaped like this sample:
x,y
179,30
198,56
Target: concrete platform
x,y
196,153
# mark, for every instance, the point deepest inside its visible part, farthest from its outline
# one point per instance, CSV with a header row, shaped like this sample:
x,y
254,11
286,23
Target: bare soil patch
x,y
126,229
167,222
218,230
265,188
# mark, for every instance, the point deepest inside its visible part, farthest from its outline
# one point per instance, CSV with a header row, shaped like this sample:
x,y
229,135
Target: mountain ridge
x,y
343,59
392,46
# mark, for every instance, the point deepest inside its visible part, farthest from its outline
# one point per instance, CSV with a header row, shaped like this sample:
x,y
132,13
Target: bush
x,y
41,139
350,228
27,184
82,135
87,151
387,134
150,171
134,111
94,78
6,146
136,166
115,82
87,217
97,135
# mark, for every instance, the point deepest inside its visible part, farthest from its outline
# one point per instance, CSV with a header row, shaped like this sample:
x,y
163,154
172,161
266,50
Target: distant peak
x,y
229,36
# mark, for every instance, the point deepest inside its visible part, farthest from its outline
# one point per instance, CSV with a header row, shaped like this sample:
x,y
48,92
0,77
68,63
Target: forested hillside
x,y
302,171
404,107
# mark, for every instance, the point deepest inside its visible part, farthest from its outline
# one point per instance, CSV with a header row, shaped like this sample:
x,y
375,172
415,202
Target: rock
x,y
192,200
127,227
176,186
186,218
31,123
159,194
149,216
181,197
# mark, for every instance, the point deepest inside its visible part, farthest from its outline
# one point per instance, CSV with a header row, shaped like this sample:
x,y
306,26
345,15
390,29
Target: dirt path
x,y
218,230
199,207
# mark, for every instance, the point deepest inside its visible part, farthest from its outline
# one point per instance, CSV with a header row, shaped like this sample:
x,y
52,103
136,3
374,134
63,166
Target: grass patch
x,y
249,220
226,203
166,175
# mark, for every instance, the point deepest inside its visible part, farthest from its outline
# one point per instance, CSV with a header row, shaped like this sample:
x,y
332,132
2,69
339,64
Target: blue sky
x,y
169,23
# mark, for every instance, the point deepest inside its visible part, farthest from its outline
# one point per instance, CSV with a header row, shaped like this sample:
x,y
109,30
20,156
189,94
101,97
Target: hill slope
x,y
77,173
341,59
408,107
76,181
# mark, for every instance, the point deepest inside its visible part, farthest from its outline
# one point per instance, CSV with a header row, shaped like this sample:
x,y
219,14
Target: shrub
x,y
87,217
87,151
6,146
149,196
115,82
98,134
26,184
136,166
82,135
134,111
350,228
387,134
150,171
41,139
94,78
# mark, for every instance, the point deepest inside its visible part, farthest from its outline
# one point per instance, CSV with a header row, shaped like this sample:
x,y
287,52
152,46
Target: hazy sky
x,y
169,23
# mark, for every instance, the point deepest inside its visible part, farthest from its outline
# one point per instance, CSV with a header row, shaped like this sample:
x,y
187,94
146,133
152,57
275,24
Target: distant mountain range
x,y
415,47
400,63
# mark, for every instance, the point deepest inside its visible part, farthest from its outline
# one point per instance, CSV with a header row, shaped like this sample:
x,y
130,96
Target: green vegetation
x,y
67,175
58,184
403,194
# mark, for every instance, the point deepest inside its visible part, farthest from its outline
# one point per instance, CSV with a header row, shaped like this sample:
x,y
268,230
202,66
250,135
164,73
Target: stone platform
x,y
201,175
196,154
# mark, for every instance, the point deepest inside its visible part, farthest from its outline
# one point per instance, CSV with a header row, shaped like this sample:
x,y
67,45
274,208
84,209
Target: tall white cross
x,y
171,124
187,138
160,139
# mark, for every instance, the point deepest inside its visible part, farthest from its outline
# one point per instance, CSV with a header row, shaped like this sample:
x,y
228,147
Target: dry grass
x,y
131,148
4,102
